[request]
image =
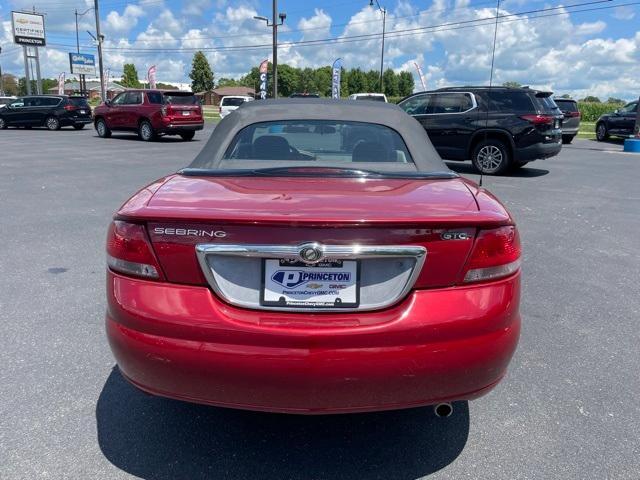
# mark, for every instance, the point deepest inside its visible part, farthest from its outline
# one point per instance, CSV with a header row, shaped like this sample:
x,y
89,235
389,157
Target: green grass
x,y
587,130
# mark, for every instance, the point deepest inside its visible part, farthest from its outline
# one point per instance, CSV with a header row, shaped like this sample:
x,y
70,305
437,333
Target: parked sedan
x,y
618,124
571,121
51,111
316,257
150,114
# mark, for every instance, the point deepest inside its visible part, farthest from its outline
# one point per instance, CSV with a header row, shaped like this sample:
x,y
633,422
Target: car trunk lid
x,y
442,216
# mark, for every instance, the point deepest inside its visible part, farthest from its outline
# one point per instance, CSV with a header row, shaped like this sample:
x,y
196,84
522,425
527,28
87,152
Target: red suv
x,y
150,113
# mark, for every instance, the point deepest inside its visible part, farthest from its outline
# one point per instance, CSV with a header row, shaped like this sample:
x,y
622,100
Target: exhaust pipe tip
x,y
443,410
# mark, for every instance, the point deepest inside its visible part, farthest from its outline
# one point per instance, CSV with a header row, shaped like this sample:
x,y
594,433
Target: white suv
x,y
375,97
232,102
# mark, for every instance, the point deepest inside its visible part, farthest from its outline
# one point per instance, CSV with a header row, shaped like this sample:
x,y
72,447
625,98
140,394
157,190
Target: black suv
x,y
498,128
619,123
51,111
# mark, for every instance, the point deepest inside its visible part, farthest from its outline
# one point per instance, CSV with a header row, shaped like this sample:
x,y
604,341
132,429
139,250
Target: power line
x,y
390,34
449,26
302,30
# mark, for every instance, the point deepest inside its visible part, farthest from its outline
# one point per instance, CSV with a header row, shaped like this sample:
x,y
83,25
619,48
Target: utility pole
x,y
103,90
384,21
274,25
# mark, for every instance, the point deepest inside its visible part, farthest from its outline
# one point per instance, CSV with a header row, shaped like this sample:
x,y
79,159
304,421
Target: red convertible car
x,y
316,257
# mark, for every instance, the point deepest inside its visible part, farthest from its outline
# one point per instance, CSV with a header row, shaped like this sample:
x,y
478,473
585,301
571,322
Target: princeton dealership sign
x,y
82,64
28,29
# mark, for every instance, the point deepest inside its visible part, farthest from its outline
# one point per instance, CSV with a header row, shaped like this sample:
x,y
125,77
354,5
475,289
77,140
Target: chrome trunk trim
x,y
329,252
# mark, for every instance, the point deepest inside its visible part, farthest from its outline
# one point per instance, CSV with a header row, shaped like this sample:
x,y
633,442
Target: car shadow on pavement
x,y
160,139
157,438
524,172
611,145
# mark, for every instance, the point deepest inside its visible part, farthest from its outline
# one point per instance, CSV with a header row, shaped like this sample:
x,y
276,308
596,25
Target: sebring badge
x,y
187,232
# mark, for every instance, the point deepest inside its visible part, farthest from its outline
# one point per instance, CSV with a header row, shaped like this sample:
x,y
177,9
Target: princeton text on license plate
x,y
329,284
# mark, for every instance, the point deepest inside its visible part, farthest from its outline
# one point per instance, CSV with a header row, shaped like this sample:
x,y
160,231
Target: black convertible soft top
x,y
425,157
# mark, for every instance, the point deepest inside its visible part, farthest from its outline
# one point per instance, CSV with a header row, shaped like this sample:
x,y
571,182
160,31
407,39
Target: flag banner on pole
x,y
264,67
61,84
107,76
336,71
151,76
424,86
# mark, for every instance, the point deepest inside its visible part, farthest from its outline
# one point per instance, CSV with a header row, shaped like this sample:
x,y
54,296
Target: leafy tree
x,y
9,84
291,80
165,86
287,79
344,82
130,76
566,95
591,99
373,81
614,100
512,84
201,74
406,84
390,83
323,80
47,83
357,81
228,82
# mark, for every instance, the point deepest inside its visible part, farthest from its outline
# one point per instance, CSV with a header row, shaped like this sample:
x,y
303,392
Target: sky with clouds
x,y
581,47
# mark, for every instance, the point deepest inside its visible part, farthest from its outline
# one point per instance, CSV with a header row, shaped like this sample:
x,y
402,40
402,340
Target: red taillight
x,y
495,254
129,251
572,114
539,119
69,108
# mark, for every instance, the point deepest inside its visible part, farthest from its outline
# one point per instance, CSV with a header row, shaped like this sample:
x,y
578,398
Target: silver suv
x,y
571,122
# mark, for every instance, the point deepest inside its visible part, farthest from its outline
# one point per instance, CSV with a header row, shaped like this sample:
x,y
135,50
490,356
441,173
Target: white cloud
x,y
560,53
624,13
122,23
590,28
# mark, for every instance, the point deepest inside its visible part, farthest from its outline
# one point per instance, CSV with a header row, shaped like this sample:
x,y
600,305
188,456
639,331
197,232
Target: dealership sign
x,y
264,67
82,64
28,29
336,69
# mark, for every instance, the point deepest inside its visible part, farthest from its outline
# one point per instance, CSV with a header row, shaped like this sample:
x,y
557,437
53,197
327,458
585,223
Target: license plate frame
x,y
346,296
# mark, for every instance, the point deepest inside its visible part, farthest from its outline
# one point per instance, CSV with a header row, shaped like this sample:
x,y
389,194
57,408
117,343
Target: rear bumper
x,y
538,151
176,127
65,121
570,130
437,345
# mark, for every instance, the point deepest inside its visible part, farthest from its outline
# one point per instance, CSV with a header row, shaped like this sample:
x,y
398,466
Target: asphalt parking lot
x,y
567,410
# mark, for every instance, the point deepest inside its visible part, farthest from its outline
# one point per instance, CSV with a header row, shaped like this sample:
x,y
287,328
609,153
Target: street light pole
x,y
274,25
384,22
275,48
83,83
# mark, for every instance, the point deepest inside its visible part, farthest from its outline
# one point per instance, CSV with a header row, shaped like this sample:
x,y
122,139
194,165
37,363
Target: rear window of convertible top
x,y
318,142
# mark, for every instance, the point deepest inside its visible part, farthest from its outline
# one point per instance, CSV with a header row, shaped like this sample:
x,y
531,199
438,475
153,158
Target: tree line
x,y
305,80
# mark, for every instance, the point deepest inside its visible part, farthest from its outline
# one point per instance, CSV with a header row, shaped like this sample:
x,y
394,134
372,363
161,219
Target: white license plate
x,y
186,113
329,284
82,112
